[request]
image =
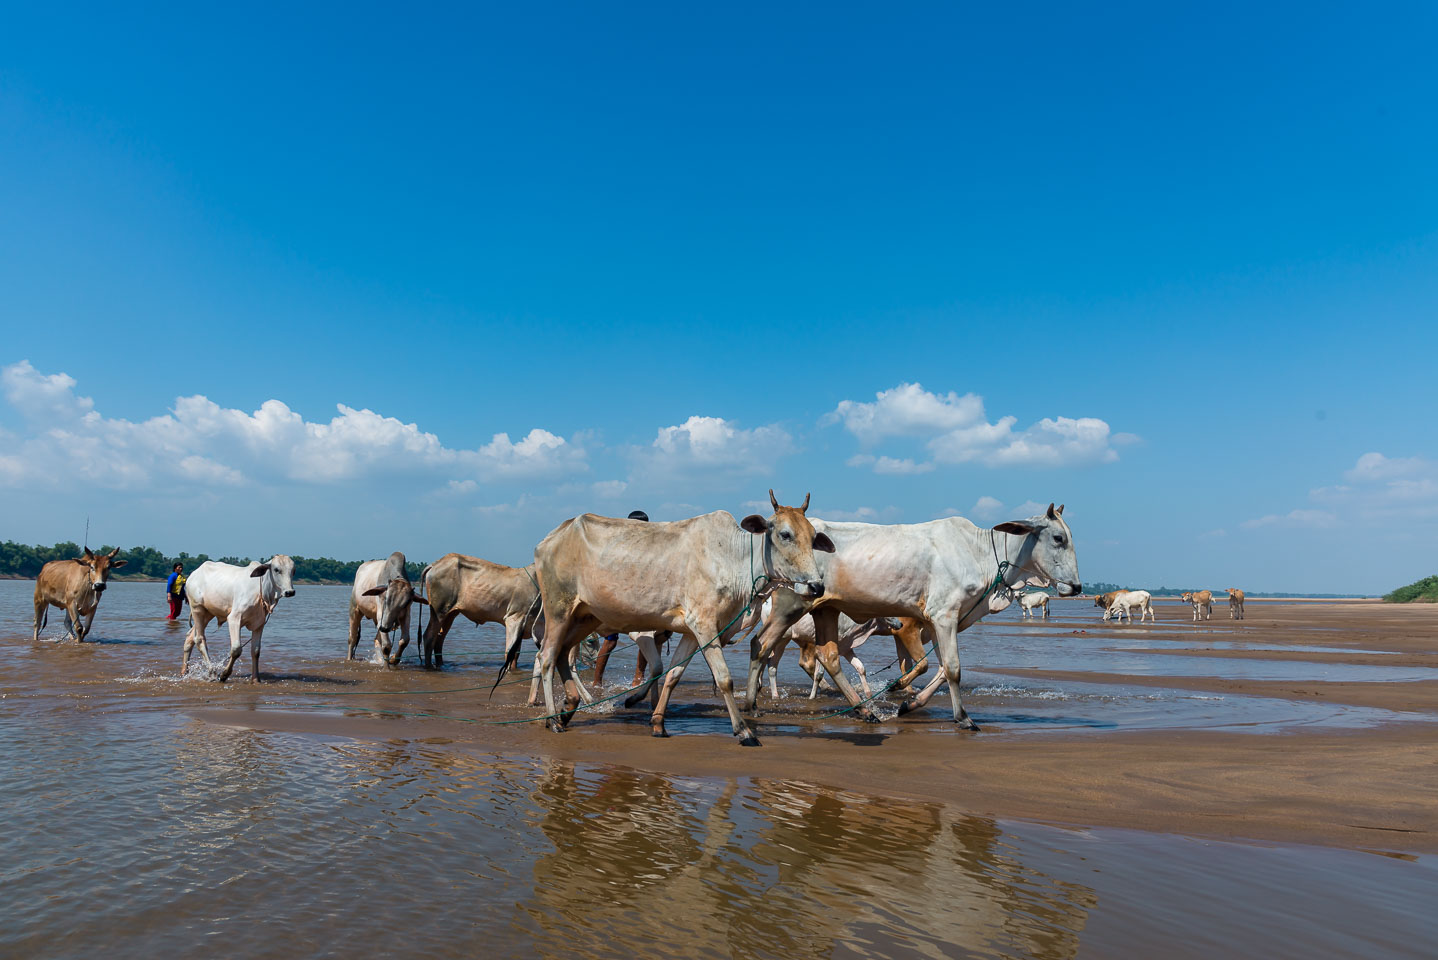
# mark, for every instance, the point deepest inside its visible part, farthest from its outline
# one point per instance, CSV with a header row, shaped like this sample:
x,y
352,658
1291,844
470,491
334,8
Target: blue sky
x,y
1190,252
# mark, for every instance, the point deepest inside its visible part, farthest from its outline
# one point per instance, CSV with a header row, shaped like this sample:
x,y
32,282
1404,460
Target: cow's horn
x,y
1052,514
805,507
773,499
115,552
1061,509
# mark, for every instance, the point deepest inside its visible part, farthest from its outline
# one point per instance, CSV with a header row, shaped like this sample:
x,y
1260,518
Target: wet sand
x,y
1374,787
1134,792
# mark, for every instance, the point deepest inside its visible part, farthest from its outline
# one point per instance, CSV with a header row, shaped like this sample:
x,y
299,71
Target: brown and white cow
x,y
1202,603
695,577
75,587
382,593
1105,600
1235,603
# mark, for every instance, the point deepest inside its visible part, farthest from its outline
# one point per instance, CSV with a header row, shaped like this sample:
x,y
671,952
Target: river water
x,y
134,827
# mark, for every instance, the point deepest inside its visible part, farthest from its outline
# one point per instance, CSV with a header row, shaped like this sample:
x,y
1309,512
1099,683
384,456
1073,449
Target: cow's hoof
x,y
438,662
633,701
749,741
868,716
554,725
968,724
657,730
908,706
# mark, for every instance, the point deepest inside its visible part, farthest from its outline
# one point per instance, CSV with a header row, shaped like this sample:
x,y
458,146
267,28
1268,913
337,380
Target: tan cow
x,y
1105,600
1235,603
485,593
695,577
75,587
1202,603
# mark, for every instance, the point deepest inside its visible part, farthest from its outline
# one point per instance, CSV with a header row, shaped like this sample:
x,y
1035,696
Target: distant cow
x,y
1235,603
485,593
695,577
382,593
1028,602
75,587
1124,602
243,597
1105,600
1202,603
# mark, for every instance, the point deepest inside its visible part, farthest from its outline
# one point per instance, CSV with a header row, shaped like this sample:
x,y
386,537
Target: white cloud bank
x,y
957,430
200,442
1377,488
712,446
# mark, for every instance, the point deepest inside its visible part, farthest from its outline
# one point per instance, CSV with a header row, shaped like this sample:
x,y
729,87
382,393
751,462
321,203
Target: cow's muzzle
x,y
1069,589
809,588
289,593
98,587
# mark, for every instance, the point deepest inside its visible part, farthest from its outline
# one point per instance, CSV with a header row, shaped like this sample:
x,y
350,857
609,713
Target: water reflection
x,y
766,868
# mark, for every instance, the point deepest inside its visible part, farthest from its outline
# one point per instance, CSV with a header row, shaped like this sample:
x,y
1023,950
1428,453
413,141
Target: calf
x,y
1028,602
1235,603
382,593
1202,603
243,597
75,587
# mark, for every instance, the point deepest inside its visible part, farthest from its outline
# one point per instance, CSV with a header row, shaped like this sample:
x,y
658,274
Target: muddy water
x,y
135,828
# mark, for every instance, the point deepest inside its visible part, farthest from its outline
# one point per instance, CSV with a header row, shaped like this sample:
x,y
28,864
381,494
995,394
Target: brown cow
x,y
1202,603
75,587
1235,603
1105,600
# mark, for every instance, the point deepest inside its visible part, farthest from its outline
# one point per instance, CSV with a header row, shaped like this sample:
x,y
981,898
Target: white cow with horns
x,y
941,573
243,597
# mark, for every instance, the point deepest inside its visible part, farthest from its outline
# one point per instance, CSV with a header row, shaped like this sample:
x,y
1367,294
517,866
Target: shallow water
x,y
134,829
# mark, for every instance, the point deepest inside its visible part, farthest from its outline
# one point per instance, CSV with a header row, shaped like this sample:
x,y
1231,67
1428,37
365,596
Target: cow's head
x,y
281,570
1186,597
789,545
1048,549
100,566
393,605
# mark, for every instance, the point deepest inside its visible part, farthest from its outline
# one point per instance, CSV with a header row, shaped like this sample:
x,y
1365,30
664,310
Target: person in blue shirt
x,y
175,590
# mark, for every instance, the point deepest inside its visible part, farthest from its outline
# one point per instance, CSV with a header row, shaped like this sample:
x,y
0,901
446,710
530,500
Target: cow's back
x,y
60,581
221,587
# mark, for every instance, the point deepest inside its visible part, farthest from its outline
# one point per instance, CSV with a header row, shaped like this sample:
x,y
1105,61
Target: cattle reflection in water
x,y
651,865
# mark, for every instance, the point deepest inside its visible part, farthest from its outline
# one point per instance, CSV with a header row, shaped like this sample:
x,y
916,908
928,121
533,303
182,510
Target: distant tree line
x,y
147,563
1420,591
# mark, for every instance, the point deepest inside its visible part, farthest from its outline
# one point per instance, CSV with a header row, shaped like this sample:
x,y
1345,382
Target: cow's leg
x,y
42,608
579,686
601,659
255,653
394,657
203,619
653,667
714,654
90,619
687,646
197,628
537,676
858,666
948,650
235,649
826,642
772,665
73,623
641,664
356,619
562,635
910,640
381,644
787,610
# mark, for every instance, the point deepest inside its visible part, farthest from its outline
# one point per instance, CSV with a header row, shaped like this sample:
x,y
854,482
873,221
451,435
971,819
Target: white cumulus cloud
x,y
956,430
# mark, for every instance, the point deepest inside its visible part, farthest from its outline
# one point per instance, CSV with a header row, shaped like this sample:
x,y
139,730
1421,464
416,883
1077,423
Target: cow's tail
x,y
511,658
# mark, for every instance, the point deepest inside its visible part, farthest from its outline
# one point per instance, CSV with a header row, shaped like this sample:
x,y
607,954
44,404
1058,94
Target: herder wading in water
x,y
175,590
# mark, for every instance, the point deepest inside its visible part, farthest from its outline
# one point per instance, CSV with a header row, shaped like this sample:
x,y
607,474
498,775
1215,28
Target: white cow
x,y
382,593
1124,603
243,596
940,573
1029,602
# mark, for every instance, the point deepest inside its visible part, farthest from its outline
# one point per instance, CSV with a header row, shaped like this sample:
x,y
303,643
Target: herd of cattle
x,y
826,586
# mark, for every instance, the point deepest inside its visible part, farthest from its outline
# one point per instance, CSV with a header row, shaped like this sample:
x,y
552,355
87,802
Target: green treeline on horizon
x,y
1420,591
20,560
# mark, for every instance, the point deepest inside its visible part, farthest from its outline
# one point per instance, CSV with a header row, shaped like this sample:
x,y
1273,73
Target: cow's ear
x,y
755,523
374,591
261,570
89,554
417,598
1052,514
822,543
1061,509
118,564
81,561
1019,528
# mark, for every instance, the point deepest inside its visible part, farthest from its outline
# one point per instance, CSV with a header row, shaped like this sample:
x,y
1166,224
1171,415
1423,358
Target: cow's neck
x,y
1017,549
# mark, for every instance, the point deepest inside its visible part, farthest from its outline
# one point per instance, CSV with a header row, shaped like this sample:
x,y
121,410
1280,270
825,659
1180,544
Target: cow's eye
x,y
786,535
1058,540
